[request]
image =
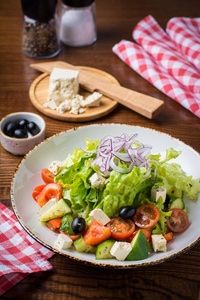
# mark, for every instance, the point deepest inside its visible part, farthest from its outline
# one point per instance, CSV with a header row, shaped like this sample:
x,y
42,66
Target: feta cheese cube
x,y
92,100
97,180
47,206
63,242
157,193
98,215
55,167
159,243
63,84
121,250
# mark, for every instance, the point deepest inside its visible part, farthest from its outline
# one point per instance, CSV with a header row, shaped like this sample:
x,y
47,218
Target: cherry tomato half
x,y
178,221
37,190
146,216
121,228
51,190
47,176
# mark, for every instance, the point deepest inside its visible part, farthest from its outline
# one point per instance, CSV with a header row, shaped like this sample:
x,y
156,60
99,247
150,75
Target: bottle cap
x,y
40,10
77,3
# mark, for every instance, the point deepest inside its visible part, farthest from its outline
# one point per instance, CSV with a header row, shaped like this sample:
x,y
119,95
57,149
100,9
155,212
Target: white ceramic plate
x,y
27,176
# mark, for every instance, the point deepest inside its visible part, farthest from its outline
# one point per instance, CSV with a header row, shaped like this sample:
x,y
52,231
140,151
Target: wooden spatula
x,y
142,104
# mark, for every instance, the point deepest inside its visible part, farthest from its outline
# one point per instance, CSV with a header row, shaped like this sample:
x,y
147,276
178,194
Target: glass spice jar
x,y
40,37
78,22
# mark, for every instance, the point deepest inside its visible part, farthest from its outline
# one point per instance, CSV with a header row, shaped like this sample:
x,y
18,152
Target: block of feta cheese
x,y
157,193
92,100
159,243
63,85
120,250
63,242
47,206
97,180
98,215
55,167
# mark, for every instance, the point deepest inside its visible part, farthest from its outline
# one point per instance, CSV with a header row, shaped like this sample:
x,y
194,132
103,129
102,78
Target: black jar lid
x,y
78,3
40,10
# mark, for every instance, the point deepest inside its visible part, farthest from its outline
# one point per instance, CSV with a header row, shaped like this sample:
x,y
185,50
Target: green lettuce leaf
x,y
175,177
121,190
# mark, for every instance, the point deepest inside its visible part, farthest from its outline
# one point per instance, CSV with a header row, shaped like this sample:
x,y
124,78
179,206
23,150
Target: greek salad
x,y
115,198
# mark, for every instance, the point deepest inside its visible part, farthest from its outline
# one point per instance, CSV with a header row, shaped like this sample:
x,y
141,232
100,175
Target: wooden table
x,y
178,278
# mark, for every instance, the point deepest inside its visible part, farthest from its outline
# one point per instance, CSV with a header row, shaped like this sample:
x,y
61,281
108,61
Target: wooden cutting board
x,y
143,104
38,94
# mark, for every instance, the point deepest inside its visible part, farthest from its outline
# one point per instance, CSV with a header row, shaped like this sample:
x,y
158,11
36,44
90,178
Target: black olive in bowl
x,y
14,135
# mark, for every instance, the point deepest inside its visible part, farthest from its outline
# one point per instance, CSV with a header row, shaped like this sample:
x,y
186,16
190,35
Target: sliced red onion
x,y
109,148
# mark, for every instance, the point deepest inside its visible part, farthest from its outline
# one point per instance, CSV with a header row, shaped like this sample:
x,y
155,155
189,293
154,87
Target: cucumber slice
x,y
177,203
81,246
103,250
58,210
66,224
141,248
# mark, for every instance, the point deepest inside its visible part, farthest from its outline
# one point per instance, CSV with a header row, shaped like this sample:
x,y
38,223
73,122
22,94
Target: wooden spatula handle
x,y
141,103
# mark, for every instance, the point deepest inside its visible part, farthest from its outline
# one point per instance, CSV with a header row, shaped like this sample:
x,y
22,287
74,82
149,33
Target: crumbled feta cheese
x,y
51,104
55,167
121,250
63,84
47,206
63,242
159,243
92,100
97,180
64,106
157,193
98,215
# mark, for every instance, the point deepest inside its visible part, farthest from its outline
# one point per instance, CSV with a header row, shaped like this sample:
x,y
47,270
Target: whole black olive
x,y
22,124
33,128
127,212
9,128
20,133
78,225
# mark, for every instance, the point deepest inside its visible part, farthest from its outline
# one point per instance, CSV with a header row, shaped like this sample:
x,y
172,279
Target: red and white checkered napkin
x,y
160,60
19,253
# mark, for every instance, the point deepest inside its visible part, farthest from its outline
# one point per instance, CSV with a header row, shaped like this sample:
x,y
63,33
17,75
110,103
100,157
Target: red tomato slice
x,y
178,221
146,216
54,224
121,228
47,176
51,190
146,232
96,233
37,190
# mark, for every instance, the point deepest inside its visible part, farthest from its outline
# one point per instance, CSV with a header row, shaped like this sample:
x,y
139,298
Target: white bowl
x,y
28,175
21,146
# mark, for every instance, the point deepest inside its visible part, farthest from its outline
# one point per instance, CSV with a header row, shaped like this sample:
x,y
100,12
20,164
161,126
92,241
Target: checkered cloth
x,y
164,58
19,253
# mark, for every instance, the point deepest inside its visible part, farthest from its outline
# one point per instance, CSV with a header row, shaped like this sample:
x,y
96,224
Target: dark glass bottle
x,y
40,28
